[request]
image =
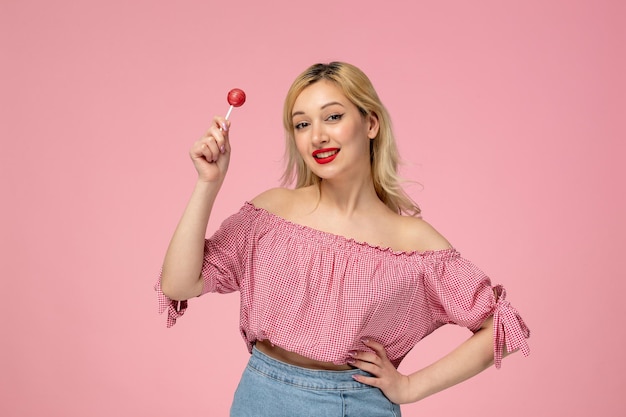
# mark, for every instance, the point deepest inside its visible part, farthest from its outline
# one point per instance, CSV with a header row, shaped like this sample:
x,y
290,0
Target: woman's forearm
x,y
470,358
180,278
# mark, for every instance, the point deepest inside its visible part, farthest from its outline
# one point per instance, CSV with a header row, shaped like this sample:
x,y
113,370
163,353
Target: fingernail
x,y
350,361
222,149
365,340
352,353
224,127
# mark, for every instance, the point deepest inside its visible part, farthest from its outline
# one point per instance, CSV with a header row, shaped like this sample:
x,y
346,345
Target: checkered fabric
x,y
318,294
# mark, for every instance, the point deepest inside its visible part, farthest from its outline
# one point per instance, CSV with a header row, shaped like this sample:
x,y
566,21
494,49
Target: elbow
x,y
168,290
178,292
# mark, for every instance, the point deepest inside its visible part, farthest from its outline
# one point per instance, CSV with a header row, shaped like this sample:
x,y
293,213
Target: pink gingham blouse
x,y
318,294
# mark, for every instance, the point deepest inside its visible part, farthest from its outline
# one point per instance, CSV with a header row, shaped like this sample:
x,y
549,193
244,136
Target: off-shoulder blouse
x,y
319,294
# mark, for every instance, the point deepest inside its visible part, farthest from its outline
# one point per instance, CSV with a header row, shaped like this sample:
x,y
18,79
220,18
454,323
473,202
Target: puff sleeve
x,y
462,294
226,257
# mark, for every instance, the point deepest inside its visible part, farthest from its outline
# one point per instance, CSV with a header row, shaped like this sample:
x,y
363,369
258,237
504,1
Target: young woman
x,y
339,276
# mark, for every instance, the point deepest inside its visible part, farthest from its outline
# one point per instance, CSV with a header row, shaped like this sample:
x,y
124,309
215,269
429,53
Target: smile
x,y
324,156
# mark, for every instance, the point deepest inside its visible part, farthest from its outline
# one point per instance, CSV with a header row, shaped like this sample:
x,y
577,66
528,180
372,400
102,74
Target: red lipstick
x,y
326,155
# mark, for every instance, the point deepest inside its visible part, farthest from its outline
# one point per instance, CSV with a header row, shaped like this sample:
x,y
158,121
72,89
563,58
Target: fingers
x,y
366,361
373,362
209,149
219,133
377,357
376,347
383,374
370,365
367,380
206,148
214,142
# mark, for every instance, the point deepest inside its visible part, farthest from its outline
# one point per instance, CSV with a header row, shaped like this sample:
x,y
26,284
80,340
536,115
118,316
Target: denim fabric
x,y
269,387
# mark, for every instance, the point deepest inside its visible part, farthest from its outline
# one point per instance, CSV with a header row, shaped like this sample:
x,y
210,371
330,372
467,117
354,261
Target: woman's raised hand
x,y
211,153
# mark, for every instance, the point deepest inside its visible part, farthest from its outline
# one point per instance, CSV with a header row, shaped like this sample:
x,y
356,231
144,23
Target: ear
x,y
373,125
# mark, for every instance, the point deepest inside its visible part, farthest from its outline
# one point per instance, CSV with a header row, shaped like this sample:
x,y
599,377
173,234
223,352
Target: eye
x,y
334,117
301,125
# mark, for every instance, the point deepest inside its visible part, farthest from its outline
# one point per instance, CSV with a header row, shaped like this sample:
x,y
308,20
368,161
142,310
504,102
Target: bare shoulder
x,y
273,199
421,236
280,201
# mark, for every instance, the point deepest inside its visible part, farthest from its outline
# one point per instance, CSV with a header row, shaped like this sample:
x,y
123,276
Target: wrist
x,y
208,186
418,387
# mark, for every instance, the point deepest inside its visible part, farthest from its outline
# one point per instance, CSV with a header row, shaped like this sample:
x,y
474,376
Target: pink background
x,y
510,114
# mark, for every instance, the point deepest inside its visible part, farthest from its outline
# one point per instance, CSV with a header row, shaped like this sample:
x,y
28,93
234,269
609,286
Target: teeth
x,y
325,154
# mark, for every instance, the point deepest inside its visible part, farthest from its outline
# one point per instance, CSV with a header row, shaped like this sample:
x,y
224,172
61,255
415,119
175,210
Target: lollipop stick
x,y
229,110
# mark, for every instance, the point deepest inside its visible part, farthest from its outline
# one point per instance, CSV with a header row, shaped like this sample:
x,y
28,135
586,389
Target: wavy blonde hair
x,y
384,156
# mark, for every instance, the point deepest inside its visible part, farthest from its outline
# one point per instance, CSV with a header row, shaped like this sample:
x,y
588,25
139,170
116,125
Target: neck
x,y
348,197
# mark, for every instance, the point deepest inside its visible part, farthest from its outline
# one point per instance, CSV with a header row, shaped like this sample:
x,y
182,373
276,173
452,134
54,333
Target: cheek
x,y
301,144
348,131
353,135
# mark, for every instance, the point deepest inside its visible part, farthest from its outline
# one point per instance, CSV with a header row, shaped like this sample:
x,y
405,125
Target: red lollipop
x,y
236,98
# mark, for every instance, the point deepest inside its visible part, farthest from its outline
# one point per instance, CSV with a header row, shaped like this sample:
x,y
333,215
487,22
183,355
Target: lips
x,y
326,155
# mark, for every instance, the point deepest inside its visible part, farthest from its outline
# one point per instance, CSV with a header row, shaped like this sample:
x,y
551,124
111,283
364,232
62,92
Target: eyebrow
x,y
322,108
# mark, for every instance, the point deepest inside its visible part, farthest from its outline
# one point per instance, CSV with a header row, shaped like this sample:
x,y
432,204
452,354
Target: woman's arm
x,y
470,358
180,277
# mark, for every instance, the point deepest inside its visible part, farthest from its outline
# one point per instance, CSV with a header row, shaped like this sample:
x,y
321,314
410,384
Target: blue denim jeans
x,y
273,388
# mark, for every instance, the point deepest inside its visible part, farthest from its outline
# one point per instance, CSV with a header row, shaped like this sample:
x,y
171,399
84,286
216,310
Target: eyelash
x,y
331,118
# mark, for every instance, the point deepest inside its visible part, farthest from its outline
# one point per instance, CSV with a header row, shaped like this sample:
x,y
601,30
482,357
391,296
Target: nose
x,y
319,136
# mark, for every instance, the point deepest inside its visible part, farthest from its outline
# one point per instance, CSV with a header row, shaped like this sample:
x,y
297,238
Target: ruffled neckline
x,y
346,241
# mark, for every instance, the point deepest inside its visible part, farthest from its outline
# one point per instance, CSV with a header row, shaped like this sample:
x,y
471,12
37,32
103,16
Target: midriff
x,y
292,358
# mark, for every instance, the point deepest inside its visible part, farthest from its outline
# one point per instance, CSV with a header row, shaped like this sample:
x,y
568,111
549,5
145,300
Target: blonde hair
x,y
384,156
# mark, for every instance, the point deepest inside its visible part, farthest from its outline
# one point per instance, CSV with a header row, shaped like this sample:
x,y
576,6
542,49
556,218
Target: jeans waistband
x,y
304,377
